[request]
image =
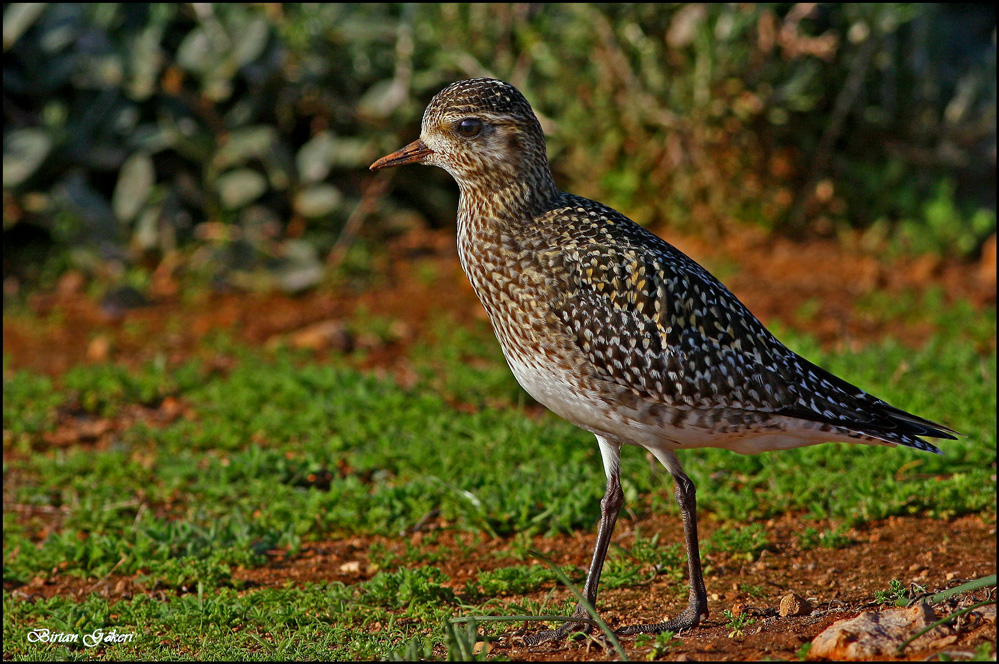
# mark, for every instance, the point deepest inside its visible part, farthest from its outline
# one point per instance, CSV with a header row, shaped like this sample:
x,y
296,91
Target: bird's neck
x,y
511,201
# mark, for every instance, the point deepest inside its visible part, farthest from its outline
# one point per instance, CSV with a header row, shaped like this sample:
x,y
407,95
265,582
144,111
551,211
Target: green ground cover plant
x,y
281,451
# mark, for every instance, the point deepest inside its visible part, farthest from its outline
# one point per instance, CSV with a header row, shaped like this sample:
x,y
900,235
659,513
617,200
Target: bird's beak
x,y
412,153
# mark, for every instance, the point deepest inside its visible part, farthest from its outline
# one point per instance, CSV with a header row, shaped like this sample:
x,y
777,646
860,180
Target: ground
x,y
811,286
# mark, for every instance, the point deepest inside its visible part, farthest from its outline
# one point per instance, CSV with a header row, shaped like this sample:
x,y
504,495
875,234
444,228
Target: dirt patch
x,y
808,286
837,583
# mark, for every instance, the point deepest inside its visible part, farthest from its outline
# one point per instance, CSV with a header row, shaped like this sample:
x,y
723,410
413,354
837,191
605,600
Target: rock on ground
x,y
875,633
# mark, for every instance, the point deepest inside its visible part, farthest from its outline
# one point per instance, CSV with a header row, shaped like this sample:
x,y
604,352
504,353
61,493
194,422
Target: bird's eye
x,y
469,127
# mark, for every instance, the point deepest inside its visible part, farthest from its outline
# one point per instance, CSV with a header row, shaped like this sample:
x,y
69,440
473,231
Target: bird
x,y
620,333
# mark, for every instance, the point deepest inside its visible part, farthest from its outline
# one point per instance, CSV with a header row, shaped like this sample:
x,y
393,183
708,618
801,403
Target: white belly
x,y
628,421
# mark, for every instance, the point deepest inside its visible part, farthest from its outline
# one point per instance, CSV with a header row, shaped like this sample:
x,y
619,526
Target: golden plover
x,y
617,331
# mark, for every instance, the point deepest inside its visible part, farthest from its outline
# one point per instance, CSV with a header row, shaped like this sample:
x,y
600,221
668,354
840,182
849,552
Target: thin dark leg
x,y
610,507
697,601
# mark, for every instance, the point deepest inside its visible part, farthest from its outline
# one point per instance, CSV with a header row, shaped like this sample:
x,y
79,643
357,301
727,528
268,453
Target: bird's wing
x,y
649,318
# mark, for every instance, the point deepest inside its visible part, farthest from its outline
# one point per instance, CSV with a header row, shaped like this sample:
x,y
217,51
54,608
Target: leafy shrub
x,y
238,135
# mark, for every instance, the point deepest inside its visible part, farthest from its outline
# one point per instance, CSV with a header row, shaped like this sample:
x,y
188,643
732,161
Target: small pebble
x,y
794,604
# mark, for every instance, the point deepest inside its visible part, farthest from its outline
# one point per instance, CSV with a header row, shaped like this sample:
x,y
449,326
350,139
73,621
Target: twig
x,y
372,191
104,578
138,514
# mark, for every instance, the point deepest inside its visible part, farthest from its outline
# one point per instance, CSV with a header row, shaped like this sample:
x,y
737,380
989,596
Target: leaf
x,y
195,52
251,41
315,157
302,268
318,200
145,64
135,181
240,187
24,150
326,150
147,229
381,99
18,17
245,144
352,152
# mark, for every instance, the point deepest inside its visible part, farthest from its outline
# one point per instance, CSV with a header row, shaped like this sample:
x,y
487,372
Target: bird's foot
x,y
567,628
690,617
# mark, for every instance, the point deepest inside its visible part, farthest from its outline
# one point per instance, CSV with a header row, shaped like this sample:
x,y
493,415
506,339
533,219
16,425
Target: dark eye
x,y
469,127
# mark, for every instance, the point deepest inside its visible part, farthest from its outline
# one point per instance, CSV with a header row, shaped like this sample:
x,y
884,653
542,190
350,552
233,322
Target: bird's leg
x,y
610,507
697,600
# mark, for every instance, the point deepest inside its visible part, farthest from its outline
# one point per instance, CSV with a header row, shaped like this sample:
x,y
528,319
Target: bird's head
x,y
484,133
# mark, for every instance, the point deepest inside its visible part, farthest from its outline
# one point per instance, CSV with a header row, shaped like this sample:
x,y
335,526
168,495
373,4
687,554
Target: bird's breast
x,y
516,291
509,284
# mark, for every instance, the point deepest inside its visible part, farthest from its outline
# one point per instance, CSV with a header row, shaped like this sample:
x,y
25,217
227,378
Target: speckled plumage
x,y
617,331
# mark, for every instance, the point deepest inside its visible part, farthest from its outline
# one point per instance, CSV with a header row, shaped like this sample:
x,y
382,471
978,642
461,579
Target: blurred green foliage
x,y
234,139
